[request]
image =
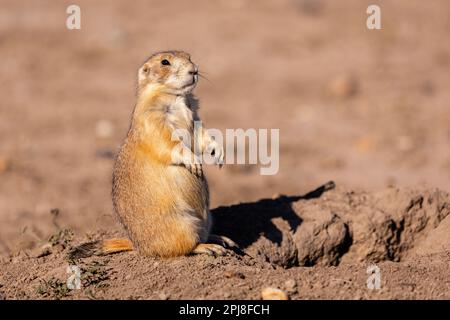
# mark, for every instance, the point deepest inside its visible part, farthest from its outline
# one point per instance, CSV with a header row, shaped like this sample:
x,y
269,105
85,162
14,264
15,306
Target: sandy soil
x,y
367,109
312,246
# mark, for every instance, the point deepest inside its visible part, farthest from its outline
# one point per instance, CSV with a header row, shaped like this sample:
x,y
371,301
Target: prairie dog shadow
x,y
244,223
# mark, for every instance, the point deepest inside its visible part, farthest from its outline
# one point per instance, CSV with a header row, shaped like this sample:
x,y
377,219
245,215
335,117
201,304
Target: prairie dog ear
x,y
143,72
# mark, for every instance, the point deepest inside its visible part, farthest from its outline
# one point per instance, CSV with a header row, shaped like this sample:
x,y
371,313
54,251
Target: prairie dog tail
x,y
101,247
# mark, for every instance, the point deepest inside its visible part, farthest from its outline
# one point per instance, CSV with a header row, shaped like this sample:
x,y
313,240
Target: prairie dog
x,y
160,195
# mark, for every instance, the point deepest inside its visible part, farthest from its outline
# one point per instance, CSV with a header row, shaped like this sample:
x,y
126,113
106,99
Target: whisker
x,y
202,76
204,72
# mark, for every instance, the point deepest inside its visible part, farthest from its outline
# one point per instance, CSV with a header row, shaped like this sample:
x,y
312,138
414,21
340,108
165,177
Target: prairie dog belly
x,y
190,189
163,205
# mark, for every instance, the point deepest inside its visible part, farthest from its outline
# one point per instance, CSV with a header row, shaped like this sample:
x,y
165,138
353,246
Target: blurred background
x,y
365,108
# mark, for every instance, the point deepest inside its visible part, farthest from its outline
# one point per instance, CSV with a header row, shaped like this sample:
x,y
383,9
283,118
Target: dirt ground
x,y
317,246
368,109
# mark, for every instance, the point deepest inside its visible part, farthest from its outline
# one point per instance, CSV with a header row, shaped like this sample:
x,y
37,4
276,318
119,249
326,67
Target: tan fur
x,y
162,201
116,245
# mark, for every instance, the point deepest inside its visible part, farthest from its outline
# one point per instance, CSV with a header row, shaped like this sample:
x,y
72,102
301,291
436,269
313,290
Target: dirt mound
x,y
340,225
337,232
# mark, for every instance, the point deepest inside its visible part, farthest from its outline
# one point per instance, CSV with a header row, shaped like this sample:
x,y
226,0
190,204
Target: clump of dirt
x,y
322,238
314,246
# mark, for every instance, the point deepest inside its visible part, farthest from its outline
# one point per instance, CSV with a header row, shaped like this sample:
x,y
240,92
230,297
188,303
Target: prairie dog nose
x,y
194,71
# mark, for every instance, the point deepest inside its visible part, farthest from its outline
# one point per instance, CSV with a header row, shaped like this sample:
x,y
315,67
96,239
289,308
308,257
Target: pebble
x,y
270,293
104,129
343,87
163,296
290,286
5,164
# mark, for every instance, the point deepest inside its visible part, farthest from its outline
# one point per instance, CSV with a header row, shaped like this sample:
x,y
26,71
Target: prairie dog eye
x,y
165,62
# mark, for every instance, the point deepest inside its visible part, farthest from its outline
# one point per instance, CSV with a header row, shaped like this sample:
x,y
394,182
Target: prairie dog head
x,y
172,70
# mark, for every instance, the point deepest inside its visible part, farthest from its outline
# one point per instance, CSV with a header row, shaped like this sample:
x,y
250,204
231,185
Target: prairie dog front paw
x,y
187,159
215,151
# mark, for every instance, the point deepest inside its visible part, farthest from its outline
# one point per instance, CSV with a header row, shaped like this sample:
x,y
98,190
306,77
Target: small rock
x,y
5,164
365,144
290,286
226,295
343,87
163,296
270,293
104,129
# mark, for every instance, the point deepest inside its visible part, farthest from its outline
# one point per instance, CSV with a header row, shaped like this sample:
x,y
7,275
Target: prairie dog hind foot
x,y
216,246
210,249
